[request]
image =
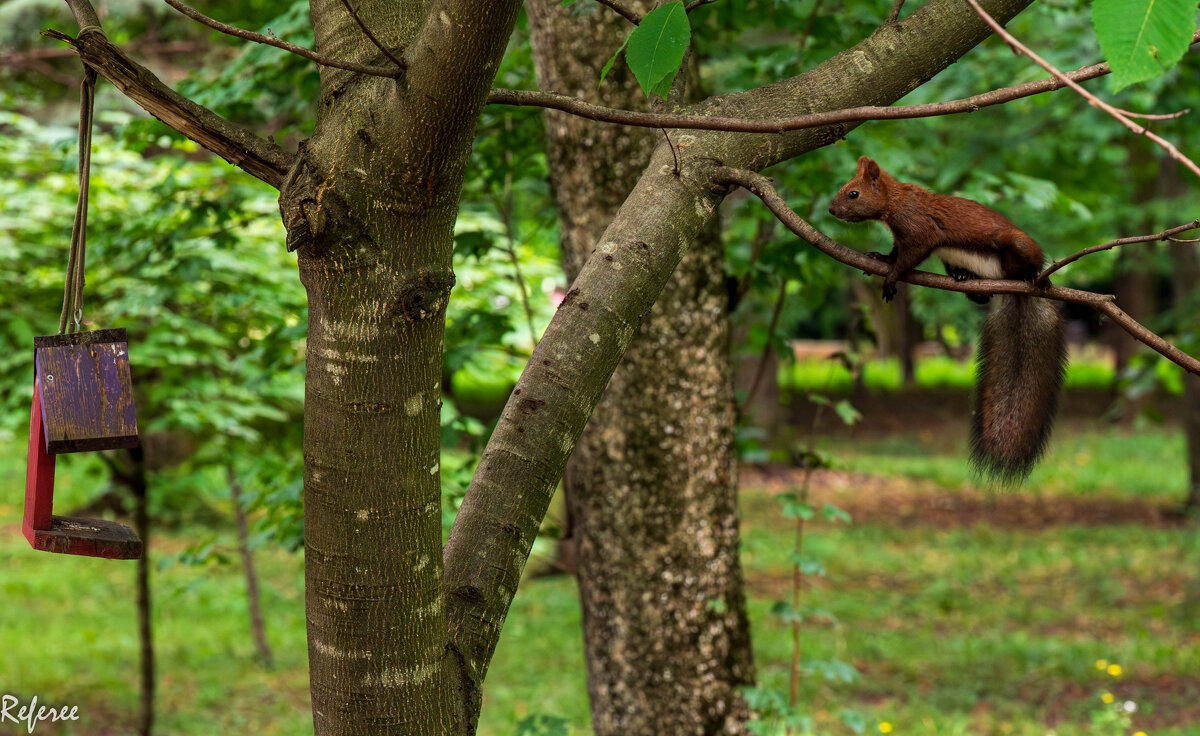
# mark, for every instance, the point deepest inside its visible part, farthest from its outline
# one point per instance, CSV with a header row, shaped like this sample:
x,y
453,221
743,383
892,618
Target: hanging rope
x,y
73,290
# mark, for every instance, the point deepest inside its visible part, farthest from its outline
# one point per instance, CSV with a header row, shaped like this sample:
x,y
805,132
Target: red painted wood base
x,y
89,537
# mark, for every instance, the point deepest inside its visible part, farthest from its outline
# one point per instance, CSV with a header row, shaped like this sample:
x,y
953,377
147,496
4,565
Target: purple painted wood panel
x,y
87,396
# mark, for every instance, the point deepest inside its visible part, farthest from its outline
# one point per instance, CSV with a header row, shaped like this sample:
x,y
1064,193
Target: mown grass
x,y
934,372
953,629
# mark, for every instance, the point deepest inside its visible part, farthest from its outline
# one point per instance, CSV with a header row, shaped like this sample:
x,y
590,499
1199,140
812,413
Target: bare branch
x,y
370,36
697,3
599,113
623,11
581,108
217,25
1093,100
33,56
761,187
1164,235
237,145
895,14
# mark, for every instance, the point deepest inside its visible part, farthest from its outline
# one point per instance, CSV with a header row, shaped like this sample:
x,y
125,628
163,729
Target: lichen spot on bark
x,y
412,405
595,338
862,62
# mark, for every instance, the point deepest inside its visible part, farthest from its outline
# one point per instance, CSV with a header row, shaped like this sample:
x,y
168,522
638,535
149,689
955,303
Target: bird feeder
x,y
82,401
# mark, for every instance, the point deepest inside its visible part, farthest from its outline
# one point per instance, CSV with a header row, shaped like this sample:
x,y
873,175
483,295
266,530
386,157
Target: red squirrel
x,y
1022,351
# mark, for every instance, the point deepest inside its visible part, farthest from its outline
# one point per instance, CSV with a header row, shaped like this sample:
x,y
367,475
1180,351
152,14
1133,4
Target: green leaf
x,y
1142,38
807,564
608,65
786,612
833,513
793,510
656,47
847,413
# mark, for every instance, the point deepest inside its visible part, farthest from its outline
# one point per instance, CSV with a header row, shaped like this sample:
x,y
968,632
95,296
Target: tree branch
x,y
1164,235
761,187
217,25
622,11
894,15
599,113
581,347
237,145
1093,100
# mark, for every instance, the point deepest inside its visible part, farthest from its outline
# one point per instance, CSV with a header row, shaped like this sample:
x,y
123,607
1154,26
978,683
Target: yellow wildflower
x,y
885,727
1114,670
1107,697
1101,664
1140,733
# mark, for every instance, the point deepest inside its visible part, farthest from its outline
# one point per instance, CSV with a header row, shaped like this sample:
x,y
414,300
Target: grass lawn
x,y
962,612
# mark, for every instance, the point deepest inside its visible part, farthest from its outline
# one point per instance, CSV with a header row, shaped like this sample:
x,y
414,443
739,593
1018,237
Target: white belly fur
x,y
987,267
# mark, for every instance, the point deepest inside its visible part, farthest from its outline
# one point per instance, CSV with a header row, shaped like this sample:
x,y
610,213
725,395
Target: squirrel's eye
x,y
852,195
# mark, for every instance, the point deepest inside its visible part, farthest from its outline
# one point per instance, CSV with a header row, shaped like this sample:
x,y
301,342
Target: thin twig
x,y
1184,240
33,56
1164,235
505,209
1154,116
623,11
697,3
895,14
225,28
672,147
806,34
371,36
761,187
766,353
599,113
1093,100
764,231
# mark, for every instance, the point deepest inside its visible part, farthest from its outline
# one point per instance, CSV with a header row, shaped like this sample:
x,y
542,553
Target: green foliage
x,y
186,255
1142,38
655,47
540,724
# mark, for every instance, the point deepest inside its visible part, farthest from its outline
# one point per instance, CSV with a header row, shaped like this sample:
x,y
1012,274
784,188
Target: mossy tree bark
x,y
651,486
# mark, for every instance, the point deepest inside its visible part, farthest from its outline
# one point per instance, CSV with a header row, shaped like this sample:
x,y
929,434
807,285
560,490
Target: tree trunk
x,y
253,599
652,483
370,203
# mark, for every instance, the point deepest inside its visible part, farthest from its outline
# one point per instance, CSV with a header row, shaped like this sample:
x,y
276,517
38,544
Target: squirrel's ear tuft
x,y
868,168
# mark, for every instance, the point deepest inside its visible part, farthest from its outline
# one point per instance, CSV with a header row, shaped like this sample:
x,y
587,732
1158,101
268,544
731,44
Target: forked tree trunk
x,y
370,203
652,483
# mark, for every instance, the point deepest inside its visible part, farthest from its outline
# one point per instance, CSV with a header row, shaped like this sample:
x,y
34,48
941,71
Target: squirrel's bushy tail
x,y
1021,362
